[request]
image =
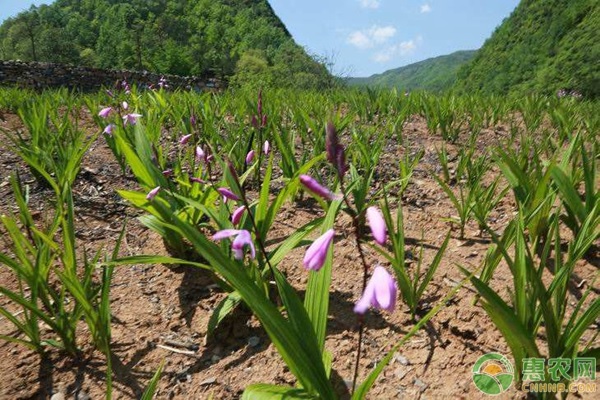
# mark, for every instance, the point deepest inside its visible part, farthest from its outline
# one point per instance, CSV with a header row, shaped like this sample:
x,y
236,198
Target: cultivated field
x,y
224,240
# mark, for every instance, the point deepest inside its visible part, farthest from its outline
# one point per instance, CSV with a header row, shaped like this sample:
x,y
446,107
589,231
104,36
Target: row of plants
x,y
207,164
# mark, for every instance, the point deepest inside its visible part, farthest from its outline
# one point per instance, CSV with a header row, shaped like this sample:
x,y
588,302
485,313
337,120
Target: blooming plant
x,y
238,245
214,173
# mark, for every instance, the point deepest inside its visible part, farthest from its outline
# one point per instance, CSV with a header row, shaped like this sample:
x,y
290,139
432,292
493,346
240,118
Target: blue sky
x,y
364,37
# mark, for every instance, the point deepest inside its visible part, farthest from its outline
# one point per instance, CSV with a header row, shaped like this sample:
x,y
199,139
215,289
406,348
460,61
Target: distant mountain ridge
x,y
433,74
542,47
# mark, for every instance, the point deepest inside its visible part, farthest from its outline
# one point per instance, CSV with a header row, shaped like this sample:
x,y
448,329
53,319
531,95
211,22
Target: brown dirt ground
x,y
154,305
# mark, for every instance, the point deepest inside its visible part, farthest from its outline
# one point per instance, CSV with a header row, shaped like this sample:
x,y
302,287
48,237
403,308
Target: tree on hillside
x,y
169,36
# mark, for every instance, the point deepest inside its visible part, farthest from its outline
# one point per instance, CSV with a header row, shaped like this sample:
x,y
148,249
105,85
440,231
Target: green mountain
x,y
434,74
542,47
239,39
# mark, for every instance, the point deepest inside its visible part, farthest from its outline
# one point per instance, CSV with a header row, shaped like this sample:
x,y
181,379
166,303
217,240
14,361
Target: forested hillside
x,y
434,74
544,46
239,39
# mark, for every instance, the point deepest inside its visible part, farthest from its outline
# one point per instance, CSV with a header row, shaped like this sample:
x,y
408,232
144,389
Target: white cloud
x,y
368,38
406,47
369,3
425,8
360,40
400,49
382,34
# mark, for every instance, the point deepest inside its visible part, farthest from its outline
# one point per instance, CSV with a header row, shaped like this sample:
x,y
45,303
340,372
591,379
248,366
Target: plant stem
x,y
357,237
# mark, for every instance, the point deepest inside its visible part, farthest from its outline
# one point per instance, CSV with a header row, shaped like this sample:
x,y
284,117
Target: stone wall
x,y
39,75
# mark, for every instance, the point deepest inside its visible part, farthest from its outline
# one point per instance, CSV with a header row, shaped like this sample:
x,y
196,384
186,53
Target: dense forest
x,y
434,74
543,47
241,40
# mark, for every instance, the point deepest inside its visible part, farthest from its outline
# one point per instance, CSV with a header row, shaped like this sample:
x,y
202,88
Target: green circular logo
x,y
493,373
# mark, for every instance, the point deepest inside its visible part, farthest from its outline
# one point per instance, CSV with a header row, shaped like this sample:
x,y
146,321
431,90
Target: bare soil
x,y
161,313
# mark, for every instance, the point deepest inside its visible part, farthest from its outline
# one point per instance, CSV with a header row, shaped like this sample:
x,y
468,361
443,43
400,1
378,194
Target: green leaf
x,y
153,384
583,323
292,241
316,300
222,310
432,268
263,391
144,176
519,340
593,352
568,193
304,362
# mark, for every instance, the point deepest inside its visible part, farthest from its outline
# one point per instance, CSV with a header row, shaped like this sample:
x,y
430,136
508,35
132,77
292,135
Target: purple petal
x,y
236,217
266,148
381,292
152,194
200,154
225,233
131,119
331,143
317,252
243,238
109,129
105,112
249,156
377,224
184,139
363,304
315,187
385,292
228,194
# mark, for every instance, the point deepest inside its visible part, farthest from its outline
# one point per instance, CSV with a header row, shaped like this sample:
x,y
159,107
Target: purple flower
x,y
131,119
162,82
184,139
167,173
152,194
334,150
227,194
109,129
200,154
125,105
315,187
126,87
249,156
236,217
316,253
105,112
193,120
377,224
381,292
242,238
197,180
266,148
